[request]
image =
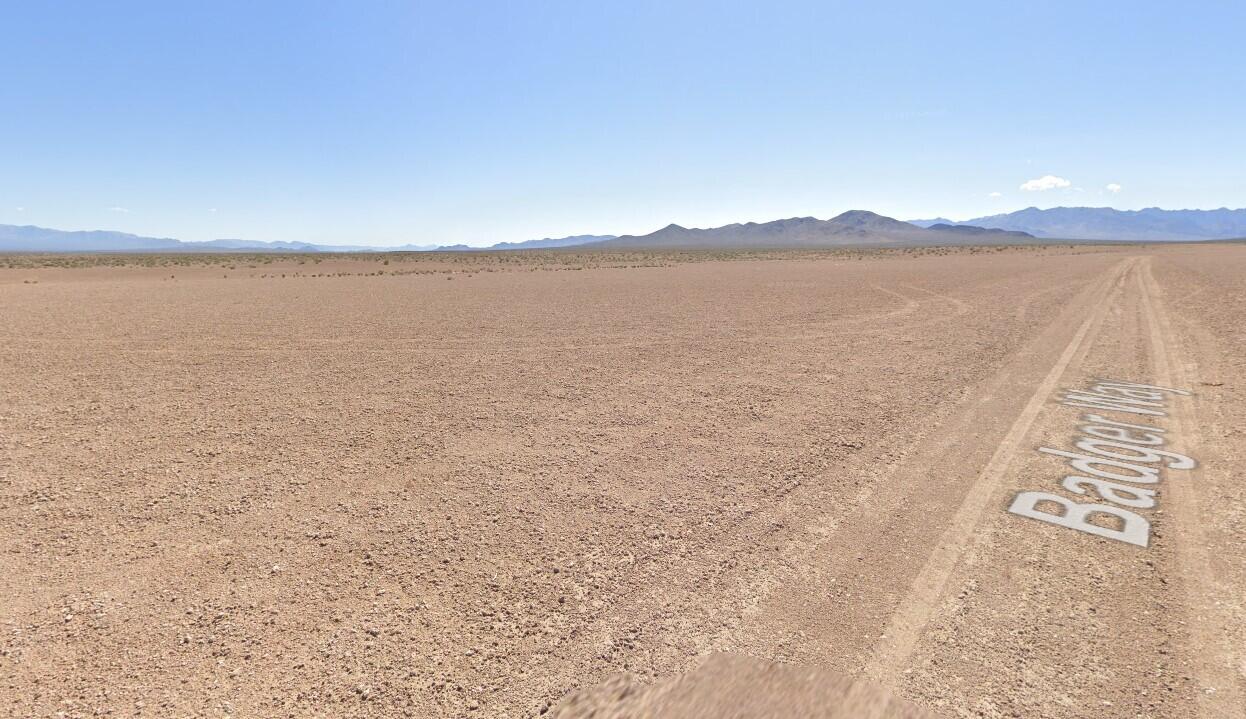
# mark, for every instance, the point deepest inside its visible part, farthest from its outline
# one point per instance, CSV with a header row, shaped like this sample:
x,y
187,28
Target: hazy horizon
x,y
347,243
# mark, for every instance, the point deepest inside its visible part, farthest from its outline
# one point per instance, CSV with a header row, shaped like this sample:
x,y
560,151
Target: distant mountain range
x,y
28,238
1105,223
853,228
547,242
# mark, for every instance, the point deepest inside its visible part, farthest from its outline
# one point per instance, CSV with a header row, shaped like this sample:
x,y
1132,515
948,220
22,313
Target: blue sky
x,y
393,122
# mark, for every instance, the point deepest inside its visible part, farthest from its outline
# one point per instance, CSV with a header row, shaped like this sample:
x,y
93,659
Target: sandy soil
x,y
477,486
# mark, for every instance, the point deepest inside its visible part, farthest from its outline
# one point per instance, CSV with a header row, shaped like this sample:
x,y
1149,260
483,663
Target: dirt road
x,y
472,487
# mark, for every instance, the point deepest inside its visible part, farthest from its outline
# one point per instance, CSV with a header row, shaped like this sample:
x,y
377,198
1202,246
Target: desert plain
x,y
482,484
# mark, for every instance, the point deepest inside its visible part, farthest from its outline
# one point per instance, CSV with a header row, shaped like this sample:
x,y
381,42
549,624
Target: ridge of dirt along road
x,y
370,494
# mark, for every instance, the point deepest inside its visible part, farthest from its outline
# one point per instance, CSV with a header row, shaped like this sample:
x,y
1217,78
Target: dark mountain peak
x,y
866,220
787,223
857,216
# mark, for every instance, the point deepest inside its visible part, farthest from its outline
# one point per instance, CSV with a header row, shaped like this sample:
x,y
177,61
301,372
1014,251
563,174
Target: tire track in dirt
x,y
423,346
1212,656
908,622
1023,307
721,630
961,306
910,304
853,564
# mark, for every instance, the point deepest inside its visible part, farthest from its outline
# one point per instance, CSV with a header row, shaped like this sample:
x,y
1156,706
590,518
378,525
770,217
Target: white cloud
x,y
211,209
20,209
119,209
1046,182
1113,188
996,194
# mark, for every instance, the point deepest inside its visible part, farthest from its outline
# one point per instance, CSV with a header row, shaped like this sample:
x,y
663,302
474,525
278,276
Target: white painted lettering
x,y
1111,459
1152,397
1074,400
1135,528
1122,434
1099,419
1121,383
1178,461
1114,492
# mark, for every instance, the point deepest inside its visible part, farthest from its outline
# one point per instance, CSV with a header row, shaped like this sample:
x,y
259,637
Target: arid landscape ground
x,y
486,485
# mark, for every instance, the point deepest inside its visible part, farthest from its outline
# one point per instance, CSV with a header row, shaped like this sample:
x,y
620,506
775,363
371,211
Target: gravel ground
x,y
474,486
